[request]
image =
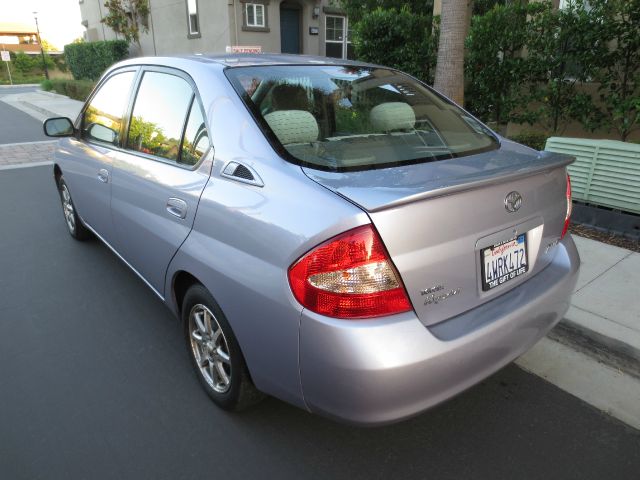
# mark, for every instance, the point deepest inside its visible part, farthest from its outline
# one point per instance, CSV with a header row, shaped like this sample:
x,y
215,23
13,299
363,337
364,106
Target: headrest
x,y
390,116
293,126
289,97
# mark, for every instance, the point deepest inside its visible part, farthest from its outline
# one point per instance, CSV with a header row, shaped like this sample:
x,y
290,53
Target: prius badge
x,y
512,201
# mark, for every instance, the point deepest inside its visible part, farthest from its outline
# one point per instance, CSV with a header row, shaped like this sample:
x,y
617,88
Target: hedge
x,y
87,61
534,140
76,89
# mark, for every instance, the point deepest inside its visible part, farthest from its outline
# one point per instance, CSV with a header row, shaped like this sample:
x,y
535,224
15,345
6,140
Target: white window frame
x,y
255,7
345,33
193,13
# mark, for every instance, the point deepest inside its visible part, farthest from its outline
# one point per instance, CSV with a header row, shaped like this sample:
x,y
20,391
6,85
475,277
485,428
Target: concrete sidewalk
x,y
604,318
605,306
42,105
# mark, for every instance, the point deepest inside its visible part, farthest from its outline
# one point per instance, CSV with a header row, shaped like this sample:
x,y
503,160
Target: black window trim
x,y
79,123
195,95
285,155
126,119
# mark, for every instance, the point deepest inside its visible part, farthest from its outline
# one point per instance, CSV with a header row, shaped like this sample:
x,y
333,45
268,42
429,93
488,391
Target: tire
x,y
75,227
215,354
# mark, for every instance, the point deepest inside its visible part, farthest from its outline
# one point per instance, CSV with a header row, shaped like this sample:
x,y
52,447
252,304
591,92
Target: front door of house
x,y
289,29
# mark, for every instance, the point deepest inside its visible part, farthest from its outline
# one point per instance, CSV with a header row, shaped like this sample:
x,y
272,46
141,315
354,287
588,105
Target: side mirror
x,y
58,127
102,133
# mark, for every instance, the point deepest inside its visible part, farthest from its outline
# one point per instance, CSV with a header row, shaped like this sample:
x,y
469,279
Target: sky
x,y
59,20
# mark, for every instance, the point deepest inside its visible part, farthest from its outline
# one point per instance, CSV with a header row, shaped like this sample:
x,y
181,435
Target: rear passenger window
x,y
102,119
159,114
196,140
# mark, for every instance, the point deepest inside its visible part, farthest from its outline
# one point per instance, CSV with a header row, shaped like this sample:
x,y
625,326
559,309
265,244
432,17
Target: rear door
x,y
159,175
87,162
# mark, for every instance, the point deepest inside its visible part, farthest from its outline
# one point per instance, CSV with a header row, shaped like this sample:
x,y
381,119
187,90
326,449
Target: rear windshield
x,y
356,118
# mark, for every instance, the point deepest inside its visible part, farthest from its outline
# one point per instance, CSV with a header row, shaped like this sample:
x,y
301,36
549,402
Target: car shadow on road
x,y
96,383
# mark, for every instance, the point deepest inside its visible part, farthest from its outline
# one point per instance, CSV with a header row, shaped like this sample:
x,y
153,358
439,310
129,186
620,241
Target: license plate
x,y
503,262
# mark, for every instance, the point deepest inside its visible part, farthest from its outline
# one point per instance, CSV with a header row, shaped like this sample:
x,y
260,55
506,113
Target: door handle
x,y
103,175
177,207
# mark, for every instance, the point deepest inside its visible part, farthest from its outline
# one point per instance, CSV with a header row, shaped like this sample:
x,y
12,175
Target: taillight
x,y
349,276
569,208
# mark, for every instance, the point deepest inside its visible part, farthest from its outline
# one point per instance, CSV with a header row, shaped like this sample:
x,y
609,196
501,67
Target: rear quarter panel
x,y
245,237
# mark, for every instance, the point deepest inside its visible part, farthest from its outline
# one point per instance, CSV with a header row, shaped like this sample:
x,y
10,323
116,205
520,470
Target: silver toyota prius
x,y
332,233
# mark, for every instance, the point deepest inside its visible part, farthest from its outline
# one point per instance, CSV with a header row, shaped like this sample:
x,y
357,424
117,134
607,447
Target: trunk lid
x,y
436,218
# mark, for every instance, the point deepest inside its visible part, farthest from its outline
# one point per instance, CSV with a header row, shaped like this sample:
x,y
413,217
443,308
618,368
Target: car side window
x,y
102,119
196,139
158,116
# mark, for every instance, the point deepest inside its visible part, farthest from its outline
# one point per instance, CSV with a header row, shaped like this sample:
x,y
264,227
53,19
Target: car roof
x,y
248,59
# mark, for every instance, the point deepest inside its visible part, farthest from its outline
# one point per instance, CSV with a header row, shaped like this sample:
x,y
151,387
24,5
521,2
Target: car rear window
x,y
356,118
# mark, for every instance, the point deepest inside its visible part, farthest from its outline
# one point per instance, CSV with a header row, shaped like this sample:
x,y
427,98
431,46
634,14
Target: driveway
x,y
96,383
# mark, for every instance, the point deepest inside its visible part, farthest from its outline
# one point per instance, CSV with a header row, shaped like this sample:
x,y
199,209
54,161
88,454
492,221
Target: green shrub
x,y
87,61
46,85
30,64
537,141
24,63
399,39
76,89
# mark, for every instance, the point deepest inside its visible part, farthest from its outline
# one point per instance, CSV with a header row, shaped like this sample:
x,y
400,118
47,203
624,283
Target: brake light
x,y
349,276
569,208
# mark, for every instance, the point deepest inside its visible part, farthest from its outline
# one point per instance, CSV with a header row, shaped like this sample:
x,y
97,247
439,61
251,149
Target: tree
x,y
497,69
128,18
618,23
449,77
399,39
48,46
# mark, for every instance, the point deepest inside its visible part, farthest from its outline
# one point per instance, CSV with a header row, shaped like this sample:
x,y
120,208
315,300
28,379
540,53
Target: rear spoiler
x,y
546,162
370,189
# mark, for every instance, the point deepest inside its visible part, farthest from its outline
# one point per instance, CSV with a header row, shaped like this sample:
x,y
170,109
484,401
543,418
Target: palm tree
x,y
454,23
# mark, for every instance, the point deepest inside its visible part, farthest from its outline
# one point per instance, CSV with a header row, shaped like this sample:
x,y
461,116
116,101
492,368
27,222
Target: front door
x,y
158,178
87,163
289,30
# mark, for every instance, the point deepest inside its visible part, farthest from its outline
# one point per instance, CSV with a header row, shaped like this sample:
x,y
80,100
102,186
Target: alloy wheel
x,y
210,348
67,207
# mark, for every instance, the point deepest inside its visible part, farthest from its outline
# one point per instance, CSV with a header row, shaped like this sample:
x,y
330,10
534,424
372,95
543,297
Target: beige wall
x,y
220,24
270,41
168,28
92,11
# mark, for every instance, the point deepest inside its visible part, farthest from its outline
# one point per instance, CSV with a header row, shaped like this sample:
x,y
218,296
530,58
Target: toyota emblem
x,y
512,201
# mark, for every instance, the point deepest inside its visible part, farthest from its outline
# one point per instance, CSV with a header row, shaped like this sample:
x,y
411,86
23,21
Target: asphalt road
x,y
95,383
15,125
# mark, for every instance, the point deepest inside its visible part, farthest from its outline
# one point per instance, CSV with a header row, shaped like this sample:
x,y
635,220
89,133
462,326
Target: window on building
x,y
254,15
192,18
159,114
102,120
338,37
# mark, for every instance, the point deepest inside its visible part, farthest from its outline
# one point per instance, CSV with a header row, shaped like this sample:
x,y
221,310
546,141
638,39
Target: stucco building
x,y
197,26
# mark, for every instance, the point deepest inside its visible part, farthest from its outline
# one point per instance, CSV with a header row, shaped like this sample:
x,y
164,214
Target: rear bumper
x,y
381,371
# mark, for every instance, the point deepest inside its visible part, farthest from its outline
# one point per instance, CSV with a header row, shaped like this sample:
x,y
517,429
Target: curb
x,y
53,95
16,166
2,145
19,85
607,350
